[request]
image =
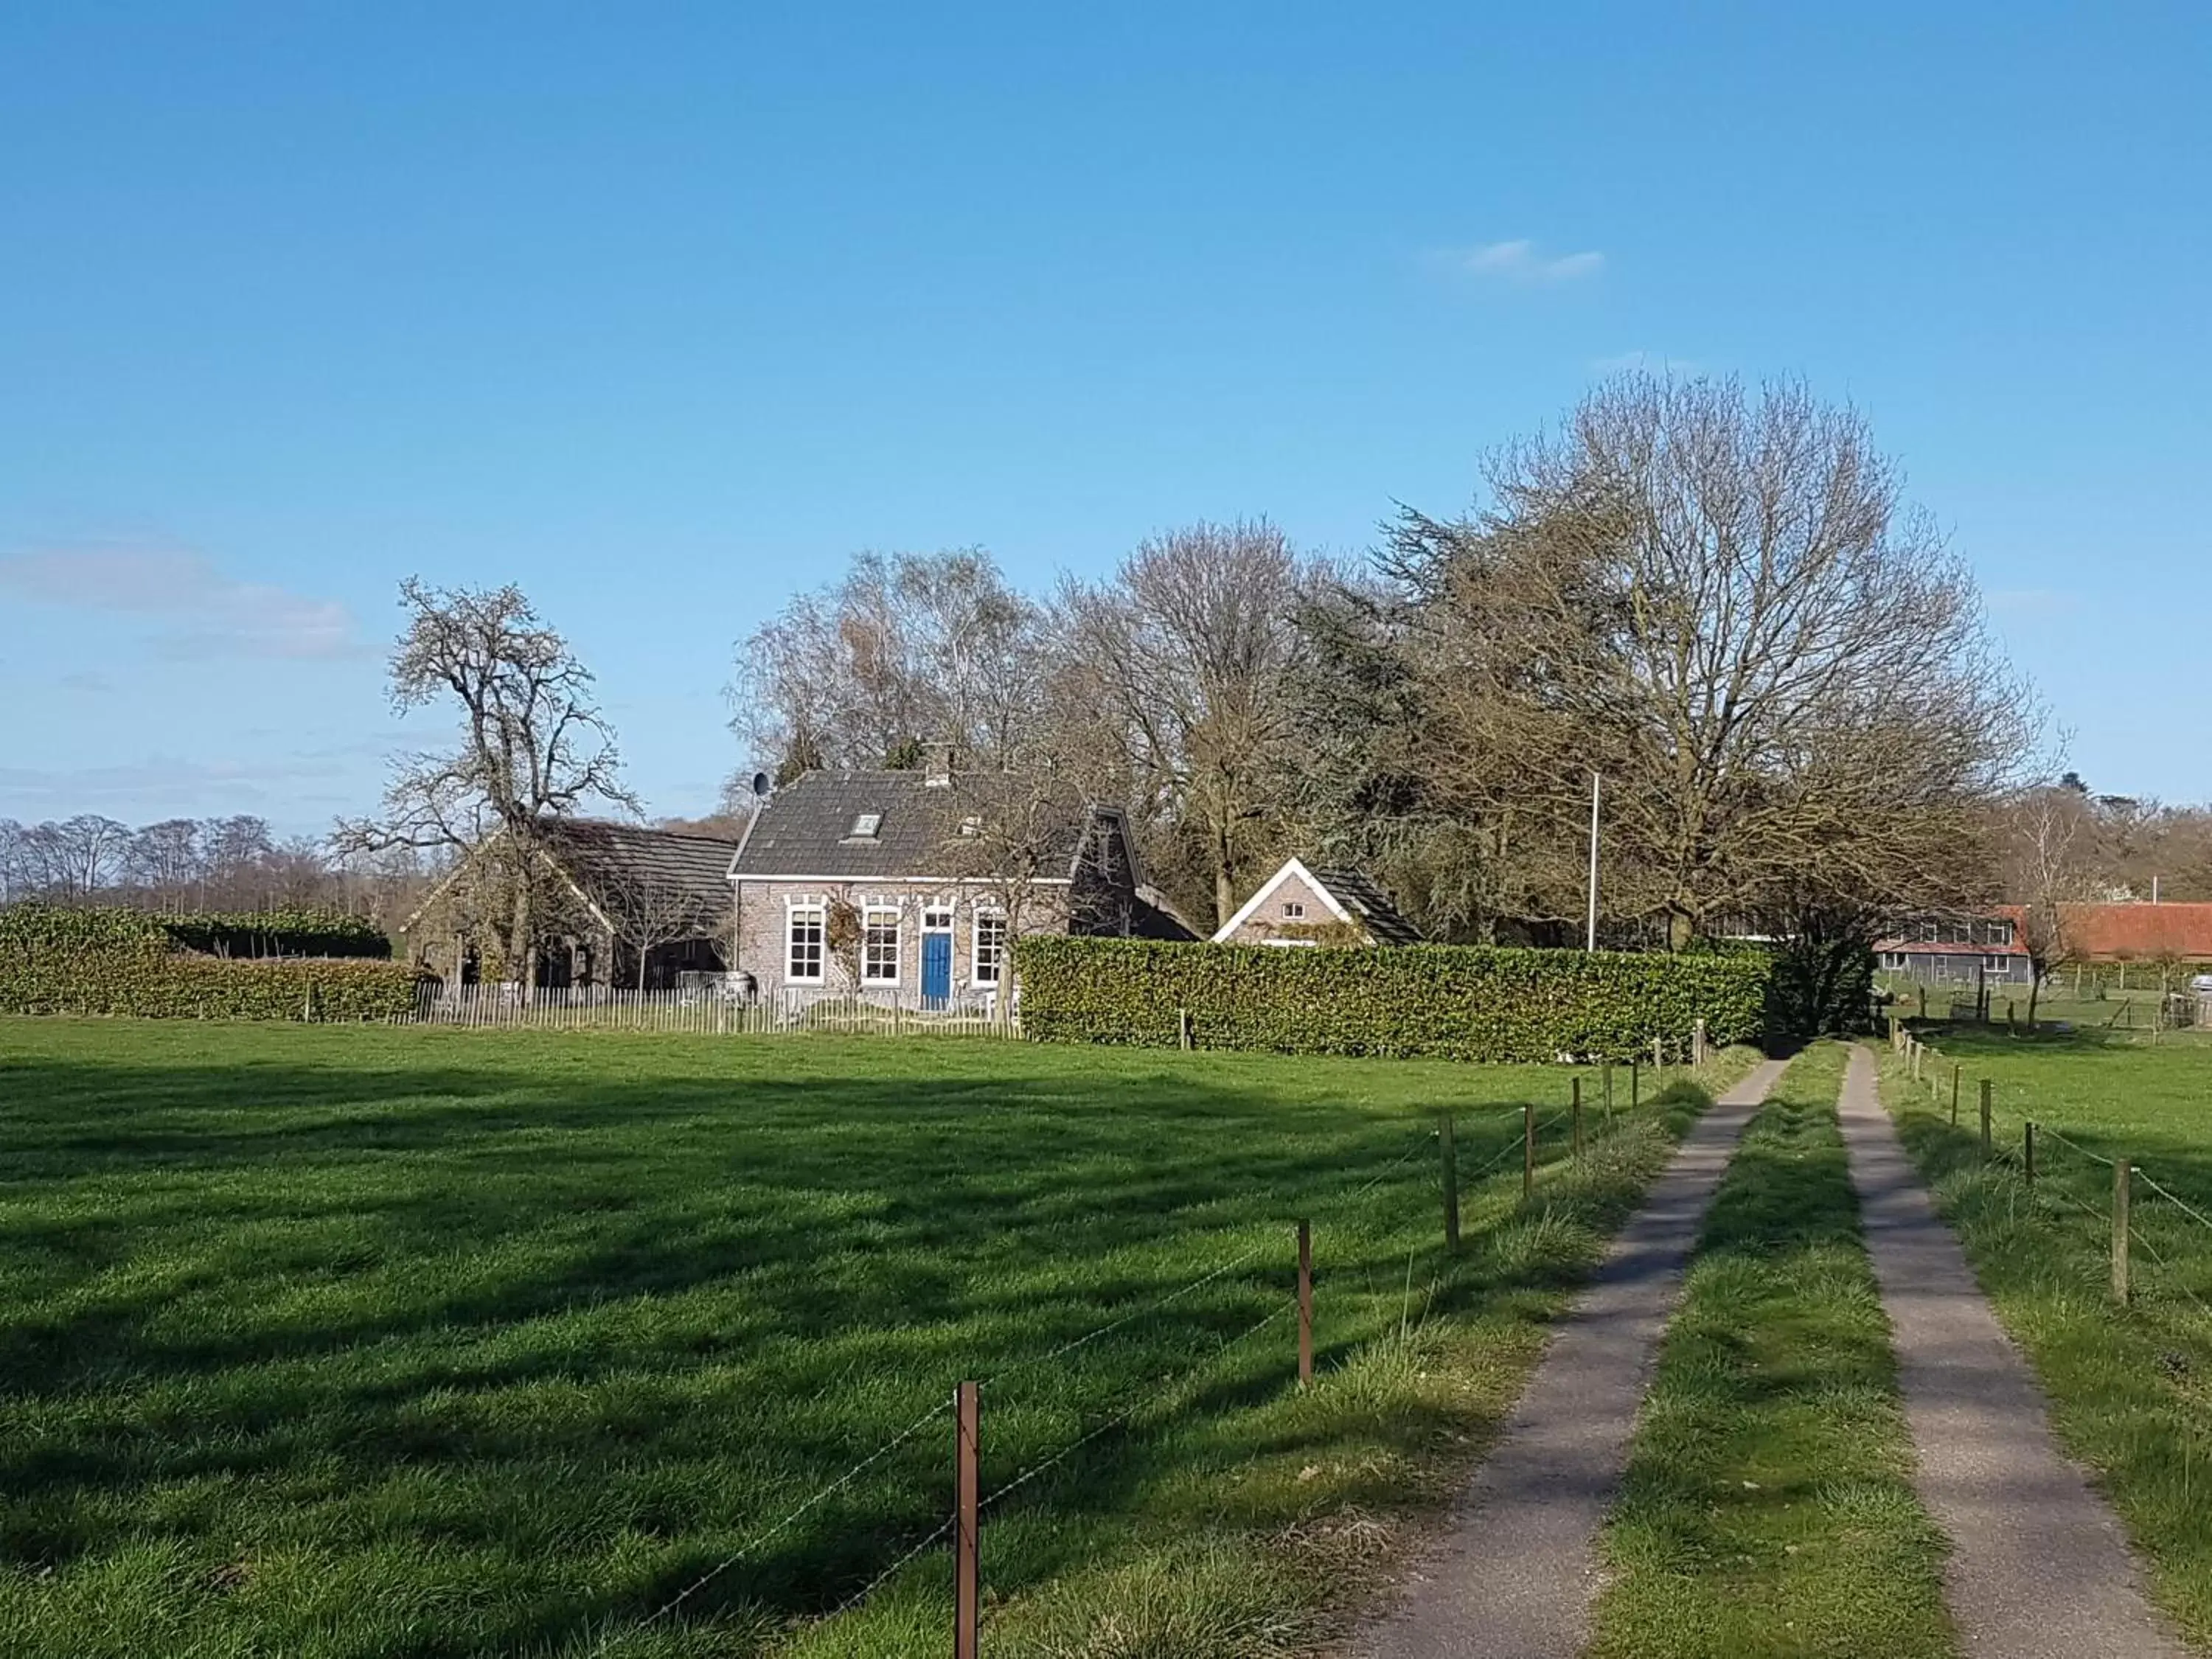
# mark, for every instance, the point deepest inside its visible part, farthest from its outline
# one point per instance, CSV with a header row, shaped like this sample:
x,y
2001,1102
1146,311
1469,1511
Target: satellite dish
x,y
762,785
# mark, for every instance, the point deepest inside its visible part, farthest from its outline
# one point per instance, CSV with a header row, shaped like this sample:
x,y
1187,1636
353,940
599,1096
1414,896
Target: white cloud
x,y
1521,261
212,615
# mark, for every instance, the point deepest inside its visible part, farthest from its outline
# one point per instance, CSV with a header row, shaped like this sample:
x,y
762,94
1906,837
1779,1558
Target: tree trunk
x,y
522,950
643,953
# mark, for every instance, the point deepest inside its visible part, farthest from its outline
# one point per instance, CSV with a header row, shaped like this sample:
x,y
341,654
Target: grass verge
x,y
1768,1508
347,1341
2130,1388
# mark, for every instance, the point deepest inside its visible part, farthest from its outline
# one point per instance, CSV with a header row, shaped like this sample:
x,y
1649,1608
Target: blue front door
x,y
936,966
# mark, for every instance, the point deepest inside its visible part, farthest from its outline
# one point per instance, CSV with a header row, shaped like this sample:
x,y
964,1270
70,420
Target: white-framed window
x,y
1293,909
1996,965
879,947
804,927
990,947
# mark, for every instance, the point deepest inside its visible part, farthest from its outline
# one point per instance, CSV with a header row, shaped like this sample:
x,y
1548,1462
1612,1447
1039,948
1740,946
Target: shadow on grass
x,y
577,1327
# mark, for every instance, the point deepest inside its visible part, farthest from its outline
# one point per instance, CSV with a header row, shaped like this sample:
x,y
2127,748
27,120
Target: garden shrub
x,y
1460,1002
54,960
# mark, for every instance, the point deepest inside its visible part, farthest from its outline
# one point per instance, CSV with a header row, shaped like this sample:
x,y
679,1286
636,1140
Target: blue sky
x,y
664,311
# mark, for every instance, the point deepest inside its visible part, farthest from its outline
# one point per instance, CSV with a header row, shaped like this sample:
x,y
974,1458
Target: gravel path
x,y
2039,1568
1514,1576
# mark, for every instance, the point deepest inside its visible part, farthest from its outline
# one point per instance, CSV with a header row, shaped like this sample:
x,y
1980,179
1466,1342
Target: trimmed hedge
x,y
1459,1002
120,961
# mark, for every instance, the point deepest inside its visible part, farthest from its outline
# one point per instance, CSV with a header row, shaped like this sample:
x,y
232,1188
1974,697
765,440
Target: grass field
x,y
1768,1508
322,1341
2131,1387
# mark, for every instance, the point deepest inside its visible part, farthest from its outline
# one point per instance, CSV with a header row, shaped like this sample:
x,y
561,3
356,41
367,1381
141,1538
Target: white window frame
x,y
1996,965
1294,909
877,919
997,976
818,912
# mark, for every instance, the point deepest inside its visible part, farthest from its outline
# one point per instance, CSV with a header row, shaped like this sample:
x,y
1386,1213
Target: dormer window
x,y
971,825
866,826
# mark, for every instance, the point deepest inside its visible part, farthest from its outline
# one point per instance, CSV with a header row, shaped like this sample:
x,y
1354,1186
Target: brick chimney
x,y
937,766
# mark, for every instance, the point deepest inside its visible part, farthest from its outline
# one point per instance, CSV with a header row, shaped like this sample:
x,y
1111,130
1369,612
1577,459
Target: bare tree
x,y
904,648
86,855
533,746
1013,836
165,857
648,910
2047,836
13,883
1718,601
1186,655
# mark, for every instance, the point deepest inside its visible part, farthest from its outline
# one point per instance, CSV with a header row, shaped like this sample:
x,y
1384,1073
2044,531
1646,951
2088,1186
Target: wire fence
x,y
2137,1216
1544,1145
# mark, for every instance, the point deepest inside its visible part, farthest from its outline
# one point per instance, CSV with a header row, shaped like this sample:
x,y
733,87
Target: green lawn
x,y
2131,1389
1768,1508
325,1341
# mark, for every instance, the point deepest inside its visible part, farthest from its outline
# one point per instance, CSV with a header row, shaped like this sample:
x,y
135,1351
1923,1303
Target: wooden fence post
x,y
967,1556
1635,1086
1576,1113
1956,1070
1451,1182
1527,1152
1608,1091
1986,1087
1183,1028
1698,1041
2121,1169
2027,1150
1658,1056
1305,1302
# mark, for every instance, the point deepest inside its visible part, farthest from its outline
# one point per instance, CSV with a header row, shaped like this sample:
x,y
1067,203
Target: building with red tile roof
x,y
2138,933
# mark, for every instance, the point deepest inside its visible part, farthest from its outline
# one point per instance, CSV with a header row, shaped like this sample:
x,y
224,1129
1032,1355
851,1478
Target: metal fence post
x,y
967,1556
1607,1075
1576,1111
1183,1028
1635,1086
1305,1302
1986,1086
1451,1153
2121,1171
1955,1071
1528,1152
2027,1150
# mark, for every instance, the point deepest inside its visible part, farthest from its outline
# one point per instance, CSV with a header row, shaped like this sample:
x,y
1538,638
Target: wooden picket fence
x,y
709,1012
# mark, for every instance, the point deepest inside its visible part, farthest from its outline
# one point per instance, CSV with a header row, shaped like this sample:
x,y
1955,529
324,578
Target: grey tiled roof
x,y
603,859
1358,892
806,828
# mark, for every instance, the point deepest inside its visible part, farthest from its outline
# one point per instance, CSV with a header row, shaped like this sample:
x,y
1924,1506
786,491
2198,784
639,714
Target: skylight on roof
x,y
866,827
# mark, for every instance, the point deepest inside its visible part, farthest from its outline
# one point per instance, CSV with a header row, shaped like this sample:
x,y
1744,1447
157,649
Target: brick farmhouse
x,y
892,884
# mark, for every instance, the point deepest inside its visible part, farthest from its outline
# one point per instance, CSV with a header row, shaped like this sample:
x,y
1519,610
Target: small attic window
x,y
971,825
1293,909
866,826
